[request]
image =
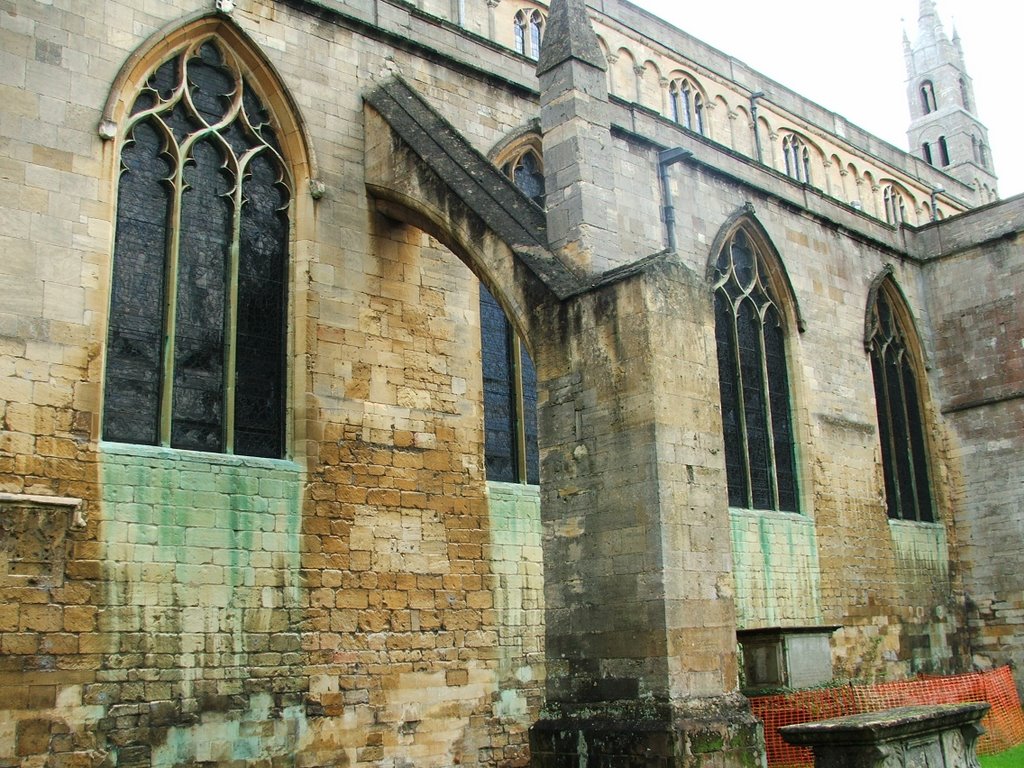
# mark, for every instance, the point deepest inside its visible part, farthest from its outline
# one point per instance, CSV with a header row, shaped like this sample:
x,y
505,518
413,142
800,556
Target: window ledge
x,y
779,515
916,524
177,454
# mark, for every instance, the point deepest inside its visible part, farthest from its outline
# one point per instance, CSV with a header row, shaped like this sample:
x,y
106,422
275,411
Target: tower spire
x,y
944,128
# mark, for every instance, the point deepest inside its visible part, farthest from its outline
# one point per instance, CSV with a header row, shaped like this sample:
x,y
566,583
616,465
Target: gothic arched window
x,y
900,419
526,171
509,377
895,206
686,104
797,158
529,31
195,355
510,398
753,381
927,97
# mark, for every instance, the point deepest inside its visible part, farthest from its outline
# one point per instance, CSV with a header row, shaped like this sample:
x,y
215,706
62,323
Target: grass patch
x,y
1013,758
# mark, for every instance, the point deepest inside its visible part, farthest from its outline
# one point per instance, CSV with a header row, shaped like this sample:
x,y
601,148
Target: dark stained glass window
x,y
510,399
509,376
196,338
754,383
528,175
900,424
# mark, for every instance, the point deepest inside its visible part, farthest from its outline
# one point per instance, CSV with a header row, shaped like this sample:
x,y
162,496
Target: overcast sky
x,y
848,57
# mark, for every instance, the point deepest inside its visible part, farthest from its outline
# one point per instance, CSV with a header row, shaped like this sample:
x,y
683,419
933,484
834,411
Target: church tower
x,y
944,127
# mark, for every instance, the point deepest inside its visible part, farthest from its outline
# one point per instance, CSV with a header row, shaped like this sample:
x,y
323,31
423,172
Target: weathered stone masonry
x,y
370,599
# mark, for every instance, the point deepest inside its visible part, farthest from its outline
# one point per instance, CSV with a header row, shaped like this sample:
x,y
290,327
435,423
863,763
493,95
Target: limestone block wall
x,y
979,371
369,599
340,603
860,566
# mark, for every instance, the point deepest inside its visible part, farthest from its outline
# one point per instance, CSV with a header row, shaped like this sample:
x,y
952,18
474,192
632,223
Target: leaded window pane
x,y
753,383
499,414
135,338
263,249
728,377
199,260
536,23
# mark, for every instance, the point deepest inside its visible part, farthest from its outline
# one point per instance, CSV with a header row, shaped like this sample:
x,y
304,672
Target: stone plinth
x,y
940,736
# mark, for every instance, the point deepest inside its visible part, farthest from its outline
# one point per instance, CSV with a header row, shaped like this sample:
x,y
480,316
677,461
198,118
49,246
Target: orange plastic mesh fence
x,y
1004,723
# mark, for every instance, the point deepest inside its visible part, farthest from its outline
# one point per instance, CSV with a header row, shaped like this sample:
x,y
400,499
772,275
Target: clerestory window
x,y
895,206
797,158
686,105
529,31
753,381
900,419
195,355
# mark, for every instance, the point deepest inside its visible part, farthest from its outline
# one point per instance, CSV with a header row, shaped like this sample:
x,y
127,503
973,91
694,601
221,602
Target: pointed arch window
x,y
509,377
526,171
510,398
895,206
529,31
927,97
901,431
797,158
686,105
753,381
195,355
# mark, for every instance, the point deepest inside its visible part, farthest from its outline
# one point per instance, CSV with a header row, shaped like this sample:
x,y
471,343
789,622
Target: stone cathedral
x,y
483,383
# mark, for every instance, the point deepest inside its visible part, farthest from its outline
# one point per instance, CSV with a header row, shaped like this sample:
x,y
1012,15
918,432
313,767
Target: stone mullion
x,y
518,407
171,292
740,399
910,453
768,414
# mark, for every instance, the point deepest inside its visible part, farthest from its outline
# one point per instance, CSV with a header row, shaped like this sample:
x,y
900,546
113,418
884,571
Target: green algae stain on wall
x,y
201,557
775,561
516,562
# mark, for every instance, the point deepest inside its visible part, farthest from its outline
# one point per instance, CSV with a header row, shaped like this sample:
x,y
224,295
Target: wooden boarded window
x,y
196,337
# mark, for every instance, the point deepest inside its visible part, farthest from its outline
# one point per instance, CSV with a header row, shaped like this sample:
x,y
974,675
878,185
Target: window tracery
x,y
529,31
895,206
195,354
753,381
686,105
797,158
900,418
